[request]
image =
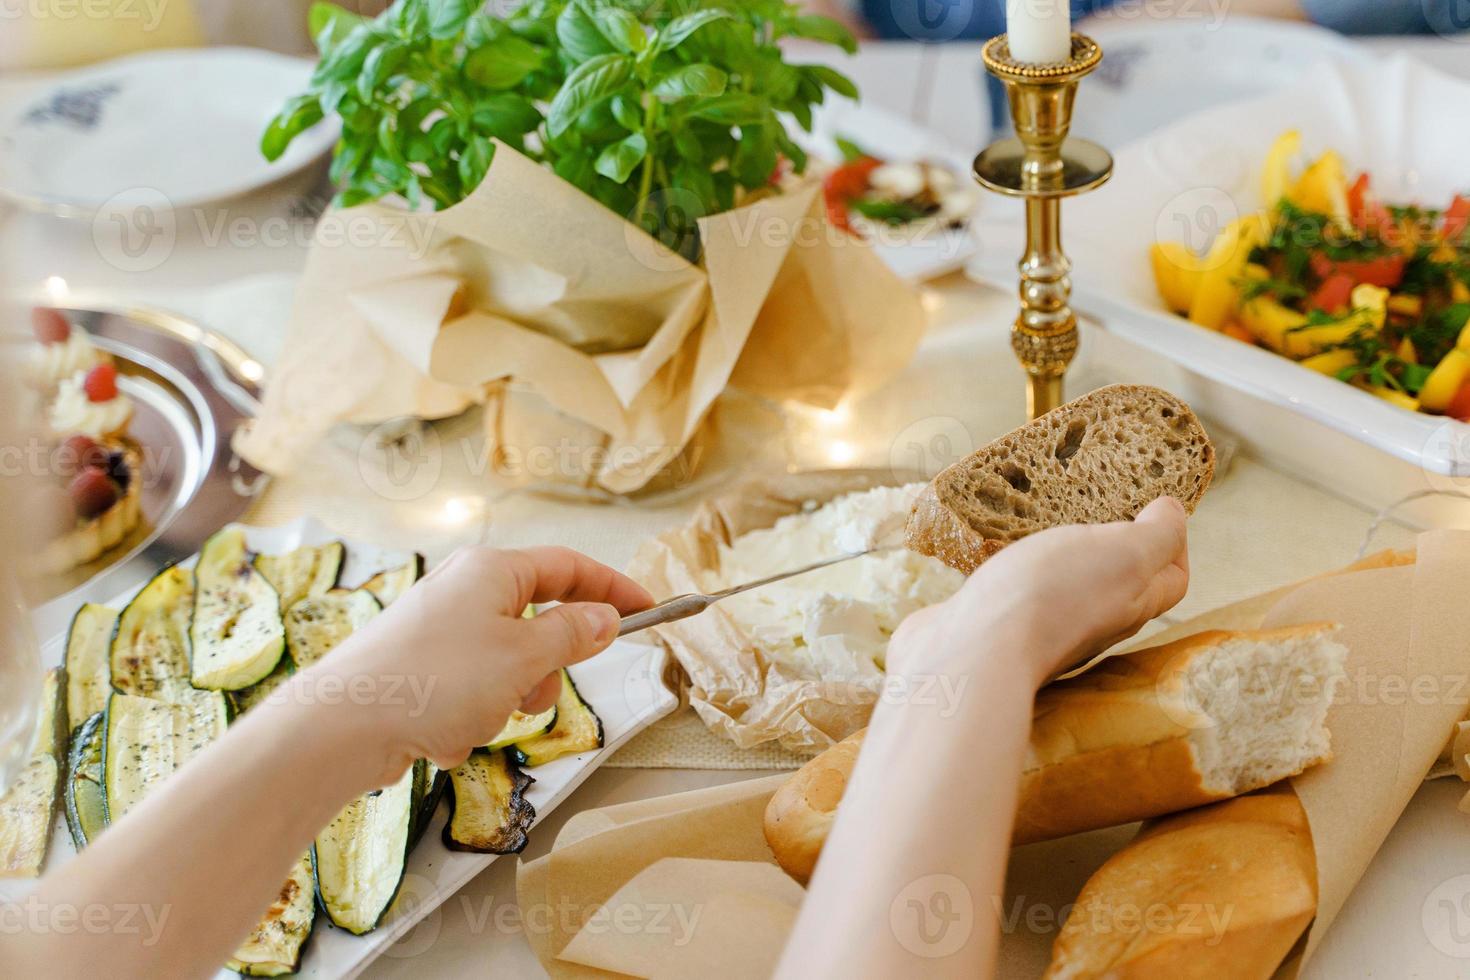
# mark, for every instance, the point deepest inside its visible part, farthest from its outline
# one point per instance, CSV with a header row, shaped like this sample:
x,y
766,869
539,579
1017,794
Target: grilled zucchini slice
x,y
310,570
29,805
242,701
273,948
86,810
389,585
88,674
360,857
235,636
314,627
145,741
491,813
149,655
428,788
520,726
577,729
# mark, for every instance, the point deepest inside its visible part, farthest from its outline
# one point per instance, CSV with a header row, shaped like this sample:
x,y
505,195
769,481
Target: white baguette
x,y
1222,891
1202,719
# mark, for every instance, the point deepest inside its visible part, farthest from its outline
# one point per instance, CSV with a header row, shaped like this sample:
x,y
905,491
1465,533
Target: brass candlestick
x,y
1043,166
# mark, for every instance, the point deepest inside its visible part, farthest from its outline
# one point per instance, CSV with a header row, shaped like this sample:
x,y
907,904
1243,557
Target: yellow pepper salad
x,y
1372,294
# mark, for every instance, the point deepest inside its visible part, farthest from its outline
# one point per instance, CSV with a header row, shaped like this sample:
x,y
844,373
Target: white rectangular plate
x,y
623,684
1187,181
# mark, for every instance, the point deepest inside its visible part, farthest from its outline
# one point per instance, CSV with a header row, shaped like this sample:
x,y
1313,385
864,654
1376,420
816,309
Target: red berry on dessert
x,y
49,326
92,492
101,383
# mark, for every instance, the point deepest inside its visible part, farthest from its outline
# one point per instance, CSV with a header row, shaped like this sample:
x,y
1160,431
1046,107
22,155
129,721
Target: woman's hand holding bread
x,y
1077,589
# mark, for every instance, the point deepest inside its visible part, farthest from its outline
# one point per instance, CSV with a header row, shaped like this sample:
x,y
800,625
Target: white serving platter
x,y
1158,70
161,129
1183,182
623,684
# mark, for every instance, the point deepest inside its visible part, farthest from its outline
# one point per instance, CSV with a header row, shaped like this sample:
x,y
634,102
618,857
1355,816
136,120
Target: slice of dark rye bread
x,y
1103,457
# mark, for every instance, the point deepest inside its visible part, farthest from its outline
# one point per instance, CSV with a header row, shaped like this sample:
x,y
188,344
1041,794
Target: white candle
x,y
1039,32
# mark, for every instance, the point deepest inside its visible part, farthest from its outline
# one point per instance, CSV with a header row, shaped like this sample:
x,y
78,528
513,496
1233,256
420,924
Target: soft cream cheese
x,y
50,364
73,412
833,623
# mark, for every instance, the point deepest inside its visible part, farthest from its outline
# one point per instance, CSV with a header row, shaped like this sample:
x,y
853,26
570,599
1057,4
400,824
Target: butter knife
x,y
693,603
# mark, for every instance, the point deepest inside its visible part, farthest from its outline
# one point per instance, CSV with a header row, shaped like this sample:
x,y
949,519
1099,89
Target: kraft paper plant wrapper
x,y
735,690
1398,621
574,327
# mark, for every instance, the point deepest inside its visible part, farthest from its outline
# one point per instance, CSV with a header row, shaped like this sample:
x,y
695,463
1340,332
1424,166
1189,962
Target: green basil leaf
x,y
688,145
802,113
622,29
755,156
677,31
578,34
344,60
732,109
700,80
347,158
627,112
790,150
354,196
327,24
503,63
824,29
474,160
299,114
832,79
409,17
505,115
575,169
850,151
888,212
447,17
412,192
442,135
381,62
481,29
619,160
590,83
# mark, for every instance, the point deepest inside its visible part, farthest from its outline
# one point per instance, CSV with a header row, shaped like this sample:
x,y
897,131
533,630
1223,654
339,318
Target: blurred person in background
x,y
51,34
955,20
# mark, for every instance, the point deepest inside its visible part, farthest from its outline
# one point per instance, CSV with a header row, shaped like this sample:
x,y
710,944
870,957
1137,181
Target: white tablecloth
x,y
1288,530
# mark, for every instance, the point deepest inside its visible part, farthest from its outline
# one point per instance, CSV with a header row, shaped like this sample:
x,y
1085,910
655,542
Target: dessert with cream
x,y
90,404
833,623
60,352
94,504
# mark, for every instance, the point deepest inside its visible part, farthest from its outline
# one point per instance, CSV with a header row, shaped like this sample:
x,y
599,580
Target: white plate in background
x,y
180,127
623,684
926,253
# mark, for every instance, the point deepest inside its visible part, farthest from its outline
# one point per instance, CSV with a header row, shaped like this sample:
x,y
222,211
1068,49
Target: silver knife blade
x,y
693,603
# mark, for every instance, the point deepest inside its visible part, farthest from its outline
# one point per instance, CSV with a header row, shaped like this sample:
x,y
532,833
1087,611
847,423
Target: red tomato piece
x,y
1386,271
851,179
1456,218
1367,212
1459,406
1334,294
